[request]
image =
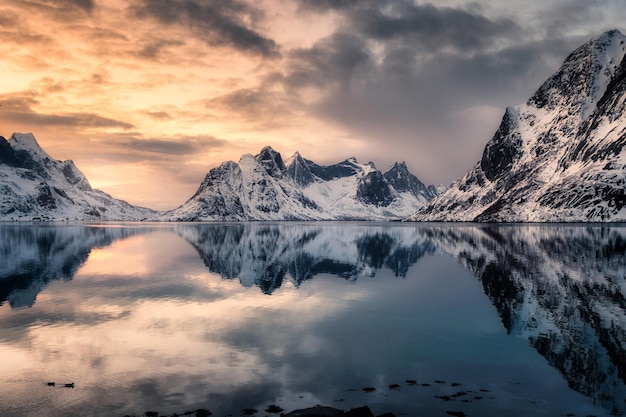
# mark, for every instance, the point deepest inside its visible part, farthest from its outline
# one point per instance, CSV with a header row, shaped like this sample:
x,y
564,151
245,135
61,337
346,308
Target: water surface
x,y
488,320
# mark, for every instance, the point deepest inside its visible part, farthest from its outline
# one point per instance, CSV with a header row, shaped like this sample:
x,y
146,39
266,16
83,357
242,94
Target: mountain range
x,y
34,186
264,187
556,158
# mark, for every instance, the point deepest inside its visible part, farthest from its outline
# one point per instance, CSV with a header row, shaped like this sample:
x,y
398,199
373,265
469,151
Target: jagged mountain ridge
x,y
264,187
557,158
33,186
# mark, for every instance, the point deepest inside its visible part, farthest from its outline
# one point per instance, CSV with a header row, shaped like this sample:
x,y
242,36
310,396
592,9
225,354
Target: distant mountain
x,y
560,156
33,186
264,187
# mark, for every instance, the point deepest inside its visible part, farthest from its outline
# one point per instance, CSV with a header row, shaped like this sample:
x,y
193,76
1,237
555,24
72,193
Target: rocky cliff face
x,y
264,187
33,186
559,156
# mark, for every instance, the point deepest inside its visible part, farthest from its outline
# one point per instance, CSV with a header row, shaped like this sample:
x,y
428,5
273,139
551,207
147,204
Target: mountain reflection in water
x,y
561,287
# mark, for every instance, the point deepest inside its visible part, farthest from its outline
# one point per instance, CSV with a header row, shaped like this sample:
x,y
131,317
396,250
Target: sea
x,y
414,319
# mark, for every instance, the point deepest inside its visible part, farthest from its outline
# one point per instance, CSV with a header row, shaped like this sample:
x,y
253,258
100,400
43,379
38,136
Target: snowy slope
x,y
264,187
559,156
33,186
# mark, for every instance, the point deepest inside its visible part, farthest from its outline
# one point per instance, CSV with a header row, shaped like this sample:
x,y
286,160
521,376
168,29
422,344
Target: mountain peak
x,y
27,142
403,180
584,76
267,149
271,161
298,170
399,166
609,35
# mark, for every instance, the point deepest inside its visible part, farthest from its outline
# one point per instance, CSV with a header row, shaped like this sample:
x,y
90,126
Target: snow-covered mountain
x,y
264,187
562,288
559,156
33,186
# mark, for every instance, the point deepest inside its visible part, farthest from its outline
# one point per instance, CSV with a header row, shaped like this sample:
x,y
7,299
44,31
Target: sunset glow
x,y
146,96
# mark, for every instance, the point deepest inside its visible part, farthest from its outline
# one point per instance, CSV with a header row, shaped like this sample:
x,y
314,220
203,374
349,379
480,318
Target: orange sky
x,y
146,96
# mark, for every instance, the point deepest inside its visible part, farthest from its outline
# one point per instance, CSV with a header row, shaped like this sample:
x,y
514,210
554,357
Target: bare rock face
x,y
557,158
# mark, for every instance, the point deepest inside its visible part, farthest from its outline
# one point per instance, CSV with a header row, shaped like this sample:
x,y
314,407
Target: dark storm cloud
x,y
406,87
432,28
410,59
425,26
217,22
326,5
332,61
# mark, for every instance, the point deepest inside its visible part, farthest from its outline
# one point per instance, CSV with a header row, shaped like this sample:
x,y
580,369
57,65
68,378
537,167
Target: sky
x,y
146,96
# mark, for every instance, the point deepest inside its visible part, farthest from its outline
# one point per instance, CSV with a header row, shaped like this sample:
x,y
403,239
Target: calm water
x,y
488,320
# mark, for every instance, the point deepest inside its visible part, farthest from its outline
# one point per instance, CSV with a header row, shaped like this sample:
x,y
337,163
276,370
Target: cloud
x,y
262,107
152,49
333,61
431,28
217,22
425,26
159,115
183,145
60,10
14,31
19,108
163,152
326,5
8,18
